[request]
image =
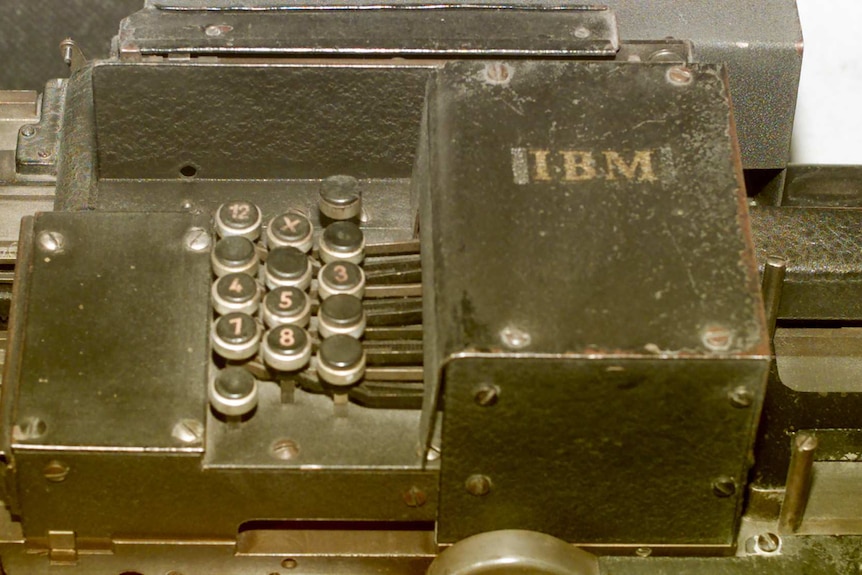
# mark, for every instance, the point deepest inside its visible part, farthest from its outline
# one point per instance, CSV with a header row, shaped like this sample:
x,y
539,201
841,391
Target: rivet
x,y
288,563
514,338
55,471
415,497
285,449
498,73
724,486
478,485
741,397
188,431
679,75
197,240
487,395
28,131
717,338
643,551
581,32
53,242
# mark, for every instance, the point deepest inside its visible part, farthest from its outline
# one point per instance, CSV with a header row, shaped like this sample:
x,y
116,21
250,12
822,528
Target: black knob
x,y
340,198
234,254
236,292
286,305
341,314
341,277
341,360
236,336
233,392
342,241
286,348
287,266
290,229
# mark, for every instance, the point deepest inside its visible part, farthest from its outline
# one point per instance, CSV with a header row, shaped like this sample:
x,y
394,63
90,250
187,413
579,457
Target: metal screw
x,y
581,32
679,75
767,542
288,563
487,395
415,497
285,449
724,486
215,31
67,48
433,453
515,338
43,154
28,131
189,431
186,205
665,55
717,338
52,241
55,471
29,428
498,73
478,485
197,240
740,396
643,551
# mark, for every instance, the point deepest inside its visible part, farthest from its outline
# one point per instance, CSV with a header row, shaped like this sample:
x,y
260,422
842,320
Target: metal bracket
x,y
62,548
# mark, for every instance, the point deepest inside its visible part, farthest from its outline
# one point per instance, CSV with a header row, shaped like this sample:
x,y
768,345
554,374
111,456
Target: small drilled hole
x,y
188,171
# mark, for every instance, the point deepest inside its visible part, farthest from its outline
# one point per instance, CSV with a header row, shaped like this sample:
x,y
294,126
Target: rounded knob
x,y
341,315
286,348
286,305
342,241
290,229
234,254
236,292
238,218
340,198
341,277
341,360
233,392
287,266
235,336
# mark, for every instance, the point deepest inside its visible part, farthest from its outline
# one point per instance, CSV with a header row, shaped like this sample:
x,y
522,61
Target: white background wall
x,y
828,127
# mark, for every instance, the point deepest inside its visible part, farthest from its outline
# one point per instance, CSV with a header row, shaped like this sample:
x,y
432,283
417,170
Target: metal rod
x,y
410,373
409,332
403,290
393,248
773,282
798,483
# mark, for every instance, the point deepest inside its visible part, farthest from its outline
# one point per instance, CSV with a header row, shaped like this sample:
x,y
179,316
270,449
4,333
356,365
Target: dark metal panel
x,y
613,451
165,496
598,262
258,122
397,29
115,345
823,251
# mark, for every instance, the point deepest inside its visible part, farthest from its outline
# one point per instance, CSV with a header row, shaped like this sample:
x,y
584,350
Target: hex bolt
x,y
724,486
197,240
741,397
415,497
55,471
28,131
52,242
768,542
188,431
514,338
679,76
285,449
478,485
487,395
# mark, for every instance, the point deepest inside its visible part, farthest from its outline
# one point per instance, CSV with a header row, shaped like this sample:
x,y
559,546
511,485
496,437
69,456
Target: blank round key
x,y
236,292
341,360
286,348
341,315
290,229
286,305
233,392
287,267
342,241
234,254
341,277
236,336
238,218
340,198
